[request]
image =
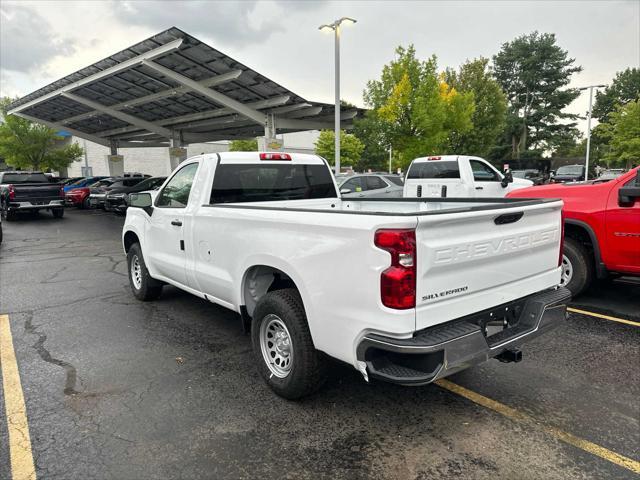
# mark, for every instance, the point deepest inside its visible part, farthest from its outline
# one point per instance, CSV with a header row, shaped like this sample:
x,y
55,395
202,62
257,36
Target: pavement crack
x,y
70,370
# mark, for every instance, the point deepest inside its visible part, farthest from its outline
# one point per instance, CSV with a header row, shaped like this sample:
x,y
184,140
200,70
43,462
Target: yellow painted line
x,y
22,466
566,437
604,317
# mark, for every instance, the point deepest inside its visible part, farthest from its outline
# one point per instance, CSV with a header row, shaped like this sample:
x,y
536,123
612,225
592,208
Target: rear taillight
x,y
561,237
275,156
62,191
398,282
12,193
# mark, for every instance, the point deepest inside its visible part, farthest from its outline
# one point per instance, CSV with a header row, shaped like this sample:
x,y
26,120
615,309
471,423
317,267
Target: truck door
x,y
486,180
165,238
622,227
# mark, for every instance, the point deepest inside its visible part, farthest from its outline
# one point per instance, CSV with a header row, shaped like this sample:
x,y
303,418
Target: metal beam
x,y
217,97
220,112
156,52
125,117
319,123
209,82
305,112
289,108
76,133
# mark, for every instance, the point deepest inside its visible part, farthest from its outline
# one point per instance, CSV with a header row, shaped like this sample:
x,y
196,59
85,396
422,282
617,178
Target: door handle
x,y
177,223
479,188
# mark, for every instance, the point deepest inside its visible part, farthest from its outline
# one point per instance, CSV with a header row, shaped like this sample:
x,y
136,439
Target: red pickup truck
x,y
601,227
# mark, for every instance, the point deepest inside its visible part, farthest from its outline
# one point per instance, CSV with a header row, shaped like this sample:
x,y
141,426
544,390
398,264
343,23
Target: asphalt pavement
x,y
117,388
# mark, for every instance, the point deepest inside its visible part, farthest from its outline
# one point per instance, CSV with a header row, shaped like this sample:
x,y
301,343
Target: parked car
x,y
607,175
100,190
0,228
370,185
82,182
529,174
569,173
601,228
117,200
268,236
29,192
458,176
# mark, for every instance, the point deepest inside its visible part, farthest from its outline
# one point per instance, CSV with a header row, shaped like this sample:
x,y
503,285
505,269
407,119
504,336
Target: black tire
x,y
7,214
580,261
58,212
308,366
85,204
148,288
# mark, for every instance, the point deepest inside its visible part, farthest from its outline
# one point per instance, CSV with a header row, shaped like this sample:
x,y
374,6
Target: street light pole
x,y
586,160
335,26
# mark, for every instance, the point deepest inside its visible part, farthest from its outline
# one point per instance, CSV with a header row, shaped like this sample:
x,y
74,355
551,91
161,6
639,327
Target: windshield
x,y
570,170
518,173
258,183
395,180
434,169
101,183
150,183
25,178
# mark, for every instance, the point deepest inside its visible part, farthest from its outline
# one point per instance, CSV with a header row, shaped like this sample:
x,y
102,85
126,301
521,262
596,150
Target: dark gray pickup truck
x,y
29,191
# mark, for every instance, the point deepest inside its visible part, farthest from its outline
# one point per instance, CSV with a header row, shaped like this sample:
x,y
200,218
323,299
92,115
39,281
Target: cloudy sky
x,y
41,41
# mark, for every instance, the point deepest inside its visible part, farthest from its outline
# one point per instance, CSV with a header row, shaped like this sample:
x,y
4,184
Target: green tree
x,y
533,71
28,145
623,130
243,145
488,117
350,147
417,111
623,89
375,155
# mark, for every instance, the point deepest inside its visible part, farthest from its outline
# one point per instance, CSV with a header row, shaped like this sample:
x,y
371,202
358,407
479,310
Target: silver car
x,y
371,185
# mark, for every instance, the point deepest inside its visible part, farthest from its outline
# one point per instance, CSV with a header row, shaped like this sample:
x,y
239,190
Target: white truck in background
x,y
458,176
404,290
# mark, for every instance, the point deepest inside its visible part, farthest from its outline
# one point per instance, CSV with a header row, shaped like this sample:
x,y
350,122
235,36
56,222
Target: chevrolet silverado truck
x,y
29,191
601,225
458,176
404,290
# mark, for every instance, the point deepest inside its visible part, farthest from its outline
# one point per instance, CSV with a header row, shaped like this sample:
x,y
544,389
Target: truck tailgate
x,y
35,192
471,261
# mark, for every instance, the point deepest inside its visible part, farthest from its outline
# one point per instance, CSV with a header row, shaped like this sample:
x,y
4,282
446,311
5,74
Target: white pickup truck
x,y
406,291
458,176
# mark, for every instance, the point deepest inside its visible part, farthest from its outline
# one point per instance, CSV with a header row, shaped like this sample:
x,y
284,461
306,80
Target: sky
x,y
42,41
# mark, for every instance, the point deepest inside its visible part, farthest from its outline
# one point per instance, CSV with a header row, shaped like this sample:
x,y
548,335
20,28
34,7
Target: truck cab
x,y
458,176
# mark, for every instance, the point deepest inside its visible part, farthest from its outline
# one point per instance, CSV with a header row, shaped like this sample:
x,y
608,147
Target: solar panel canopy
x,y
172,89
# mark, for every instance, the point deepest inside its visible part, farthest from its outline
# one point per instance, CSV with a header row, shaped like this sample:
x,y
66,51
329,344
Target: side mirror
x,y
507,179
628,194
344,191
140,200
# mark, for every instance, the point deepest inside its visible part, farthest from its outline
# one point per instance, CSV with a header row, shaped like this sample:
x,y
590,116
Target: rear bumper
x,y
36,205
448,348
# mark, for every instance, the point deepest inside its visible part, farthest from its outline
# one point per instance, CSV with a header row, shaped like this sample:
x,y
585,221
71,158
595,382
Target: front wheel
x,y
143,285
283,347
577,267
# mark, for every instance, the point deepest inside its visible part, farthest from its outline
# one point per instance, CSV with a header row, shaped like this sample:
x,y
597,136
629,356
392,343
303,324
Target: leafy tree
x,y
350,147
624,89
533,71
623,130
28,145
488,117
375,154
416,109
243,145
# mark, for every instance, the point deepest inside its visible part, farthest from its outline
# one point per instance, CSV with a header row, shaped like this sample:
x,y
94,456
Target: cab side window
x,y
483,172
175,194
355,185
375,183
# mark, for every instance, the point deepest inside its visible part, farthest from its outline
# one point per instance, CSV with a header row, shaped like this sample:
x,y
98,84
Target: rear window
x,y
434,169
395,180
257,183
25,178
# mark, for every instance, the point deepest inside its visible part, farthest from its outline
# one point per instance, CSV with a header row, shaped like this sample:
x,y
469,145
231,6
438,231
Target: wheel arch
x,y
129,238
260,279
583,232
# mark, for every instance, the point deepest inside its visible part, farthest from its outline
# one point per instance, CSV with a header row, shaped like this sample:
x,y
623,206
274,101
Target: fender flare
x,y
601,269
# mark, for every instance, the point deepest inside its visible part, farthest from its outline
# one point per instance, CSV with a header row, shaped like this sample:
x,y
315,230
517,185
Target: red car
x,y
601,227
78,197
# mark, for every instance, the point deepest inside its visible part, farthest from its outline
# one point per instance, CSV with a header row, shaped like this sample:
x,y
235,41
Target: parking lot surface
x,y
116,388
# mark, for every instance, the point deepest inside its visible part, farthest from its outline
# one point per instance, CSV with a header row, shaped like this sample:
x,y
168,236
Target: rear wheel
x,y
282,345
143,286
577,266
84,204
58,212
7,214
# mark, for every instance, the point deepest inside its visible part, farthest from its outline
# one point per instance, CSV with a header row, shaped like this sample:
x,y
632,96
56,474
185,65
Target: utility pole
x,y
390,148
335,26
586,160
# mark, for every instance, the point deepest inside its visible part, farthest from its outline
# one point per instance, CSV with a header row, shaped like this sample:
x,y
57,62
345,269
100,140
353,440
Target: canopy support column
x,y
115,162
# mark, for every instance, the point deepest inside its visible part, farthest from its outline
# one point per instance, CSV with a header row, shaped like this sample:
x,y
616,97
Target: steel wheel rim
x,y
567,271
136,272
276,345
